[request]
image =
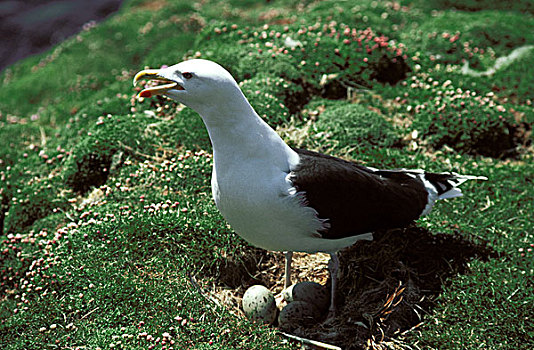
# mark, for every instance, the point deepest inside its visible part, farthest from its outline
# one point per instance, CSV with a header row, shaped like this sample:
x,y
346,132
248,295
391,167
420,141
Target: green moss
x,y
96,154
479,5
186,129
71,75
513,81
451,36
13,149
305,54
36,200
446,115
273,98
353,126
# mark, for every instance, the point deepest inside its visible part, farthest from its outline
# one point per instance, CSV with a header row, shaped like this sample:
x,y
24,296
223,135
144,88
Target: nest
x,y
385,286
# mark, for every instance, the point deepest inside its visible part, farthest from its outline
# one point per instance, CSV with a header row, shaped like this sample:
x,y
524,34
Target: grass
x,y
109,237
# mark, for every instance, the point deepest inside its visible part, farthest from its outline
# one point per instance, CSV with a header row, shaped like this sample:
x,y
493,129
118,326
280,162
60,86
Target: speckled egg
x,y
259,304
298,313
311,292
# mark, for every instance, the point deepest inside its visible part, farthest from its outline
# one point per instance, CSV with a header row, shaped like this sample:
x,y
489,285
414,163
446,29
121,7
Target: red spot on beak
x,y
145,94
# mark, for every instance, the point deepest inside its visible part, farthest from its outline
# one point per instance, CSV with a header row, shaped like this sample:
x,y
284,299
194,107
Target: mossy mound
x,y
450,38
305,54
480,5
38,199
466,121
93,157
354,127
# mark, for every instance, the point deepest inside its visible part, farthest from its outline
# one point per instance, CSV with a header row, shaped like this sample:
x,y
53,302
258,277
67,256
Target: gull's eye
x,y
187,75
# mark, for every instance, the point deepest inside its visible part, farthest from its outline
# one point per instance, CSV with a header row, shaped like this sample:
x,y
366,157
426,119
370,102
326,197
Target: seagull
x,y
287,199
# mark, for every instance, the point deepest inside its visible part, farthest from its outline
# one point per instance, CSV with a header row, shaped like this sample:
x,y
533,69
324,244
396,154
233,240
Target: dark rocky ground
x,y
32,26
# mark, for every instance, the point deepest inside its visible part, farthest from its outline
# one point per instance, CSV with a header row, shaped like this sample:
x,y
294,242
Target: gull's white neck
x,y
238,134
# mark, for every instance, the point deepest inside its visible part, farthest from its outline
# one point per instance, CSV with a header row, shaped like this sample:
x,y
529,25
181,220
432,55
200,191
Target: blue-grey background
x,y
32,26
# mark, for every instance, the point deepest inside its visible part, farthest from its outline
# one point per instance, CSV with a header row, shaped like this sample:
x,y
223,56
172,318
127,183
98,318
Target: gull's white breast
x,y
259,201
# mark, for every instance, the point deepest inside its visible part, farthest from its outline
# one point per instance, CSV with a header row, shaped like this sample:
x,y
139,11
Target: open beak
x,y
153,74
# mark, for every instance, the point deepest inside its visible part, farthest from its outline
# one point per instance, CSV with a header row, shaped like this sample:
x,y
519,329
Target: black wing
x,y
355,199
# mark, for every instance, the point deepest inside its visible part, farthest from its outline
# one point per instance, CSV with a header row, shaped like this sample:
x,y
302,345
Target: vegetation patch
x,y
38,199
480,5
451,36
464,120
102,149
356,127
311,56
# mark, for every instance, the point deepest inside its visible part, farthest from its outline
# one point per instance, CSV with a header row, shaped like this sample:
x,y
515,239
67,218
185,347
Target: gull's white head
x,y
199,84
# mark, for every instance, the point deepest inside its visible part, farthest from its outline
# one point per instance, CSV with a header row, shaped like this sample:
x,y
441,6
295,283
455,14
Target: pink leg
x,y
287,271
333,266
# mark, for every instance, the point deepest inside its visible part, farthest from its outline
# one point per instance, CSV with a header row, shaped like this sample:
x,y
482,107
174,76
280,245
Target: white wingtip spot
x,y
432,195
453,193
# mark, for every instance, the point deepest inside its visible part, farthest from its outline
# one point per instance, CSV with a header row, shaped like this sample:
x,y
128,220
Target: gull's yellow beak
x,y
153,74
